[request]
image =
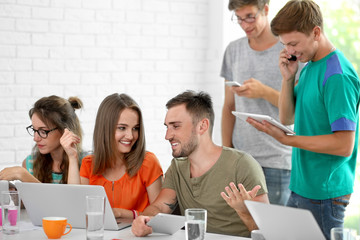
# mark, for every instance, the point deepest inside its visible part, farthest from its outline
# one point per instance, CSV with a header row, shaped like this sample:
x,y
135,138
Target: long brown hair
x,y
59,112
105,153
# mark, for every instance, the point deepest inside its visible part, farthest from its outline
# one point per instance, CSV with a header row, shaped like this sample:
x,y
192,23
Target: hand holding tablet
x,y
166,223
259,118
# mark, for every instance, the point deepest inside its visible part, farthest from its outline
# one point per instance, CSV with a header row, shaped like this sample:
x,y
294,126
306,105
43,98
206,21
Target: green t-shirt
x,y
326,100
204,191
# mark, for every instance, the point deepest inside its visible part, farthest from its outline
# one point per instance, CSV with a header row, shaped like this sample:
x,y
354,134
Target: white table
x,y
29,232
109,235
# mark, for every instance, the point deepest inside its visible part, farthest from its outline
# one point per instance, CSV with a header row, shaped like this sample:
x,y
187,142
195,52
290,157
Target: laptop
x,y
284,223
64,200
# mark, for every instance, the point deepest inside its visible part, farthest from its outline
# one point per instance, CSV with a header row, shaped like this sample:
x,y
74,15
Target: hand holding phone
x,y
232,84
293,58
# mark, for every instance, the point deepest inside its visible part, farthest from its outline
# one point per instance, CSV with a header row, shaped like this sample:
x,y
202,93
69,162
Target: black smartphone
x,y
293,58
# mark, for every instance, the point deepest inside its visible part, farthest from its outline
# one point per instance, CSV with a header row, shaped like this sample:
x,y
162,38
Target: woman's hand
x,y
68,141
17,173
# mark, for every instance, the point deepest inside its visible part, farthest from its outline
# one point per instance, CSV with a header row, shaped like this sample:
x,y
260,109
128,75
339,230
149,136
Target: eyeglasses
x,y
41,132
239,20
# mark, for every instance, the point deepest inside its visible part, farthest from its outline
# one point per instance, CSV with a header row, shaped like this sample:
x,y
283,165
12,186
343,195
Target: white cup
x,y
339,233
95,212
10,208
195,223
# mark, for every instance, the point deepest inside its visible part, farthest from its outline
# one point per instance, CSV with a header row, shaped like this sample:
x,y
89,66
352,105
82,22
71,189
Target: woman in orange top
x,y
132,177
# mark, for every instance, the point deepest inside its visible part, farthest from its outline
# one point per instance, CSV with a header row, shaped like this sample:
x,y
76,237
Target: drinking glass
x,y
10,206
339,233
95,212
195,223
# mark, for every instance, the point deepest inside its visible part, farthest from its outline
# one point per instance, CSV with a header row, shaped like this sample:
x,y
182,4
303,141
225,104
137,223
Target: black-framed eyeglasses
x,y
41,132
239,20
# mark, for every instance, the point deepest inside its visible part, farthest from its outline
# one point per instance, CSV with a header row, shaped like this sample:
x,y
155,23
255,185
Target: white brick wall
x,y
149,49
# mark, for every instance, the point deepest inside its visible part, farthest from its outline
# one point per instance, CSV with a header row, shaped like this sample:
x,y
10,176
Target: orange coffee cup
x,y
54,227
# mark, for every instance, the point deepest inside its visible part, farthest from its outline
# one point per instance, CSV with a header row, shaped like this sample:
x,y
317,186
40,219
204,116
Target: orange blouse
x,y
128,193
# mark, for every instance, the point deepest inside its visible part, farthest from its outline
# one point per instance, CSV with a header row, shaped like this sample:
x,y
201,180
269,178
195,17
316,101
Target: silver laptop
x,y
64,200
284,223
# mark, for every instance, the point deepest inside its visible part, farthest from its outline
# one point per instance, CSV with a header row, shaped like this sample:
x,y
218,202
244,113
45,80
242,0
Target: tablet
x,y
259,118
166,223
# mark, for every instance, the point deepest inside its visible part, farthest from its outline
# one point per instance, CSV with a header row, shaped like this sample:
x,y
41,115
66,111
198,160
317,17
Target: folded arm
x,y
18,173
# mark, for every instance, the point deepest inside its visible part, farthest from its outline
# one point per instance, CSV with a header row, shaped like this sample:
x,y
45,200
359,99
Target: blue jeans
x,y
277,182
328,213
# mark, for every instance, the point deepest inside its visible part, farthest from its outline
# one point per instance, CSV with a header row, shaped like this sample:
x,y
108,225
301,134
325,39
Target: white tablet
x,y
259,118
166,223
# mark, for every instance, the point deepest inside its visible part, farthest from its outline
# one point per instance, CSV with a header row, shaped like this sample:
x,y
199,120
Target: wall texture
x,y
149,49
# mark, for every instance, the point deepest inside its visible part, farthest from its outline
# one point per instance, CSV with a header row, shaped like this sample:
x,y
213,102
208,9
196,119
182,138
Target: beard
x,y
187,148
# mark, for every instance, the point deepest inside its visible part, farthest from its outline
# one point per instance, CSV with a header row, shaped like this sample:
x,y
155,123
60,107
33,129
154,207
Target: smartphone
x,y
232,84
293,58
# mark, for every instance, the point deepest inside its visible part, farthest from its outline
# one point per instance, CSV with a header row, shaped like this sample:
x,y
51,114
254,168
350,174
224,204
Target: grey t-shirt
x,y
239,64
204,191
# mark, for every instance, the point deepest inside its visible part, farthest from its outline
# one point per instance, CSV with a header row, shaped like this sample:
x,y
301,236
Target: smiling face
x,y
127,130
180,131
304,46
256,28
49,144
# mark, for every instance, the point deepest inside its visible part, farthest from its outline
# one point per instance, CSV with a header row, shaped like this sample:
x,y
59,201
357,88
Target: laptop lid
x,y
63,200
284,223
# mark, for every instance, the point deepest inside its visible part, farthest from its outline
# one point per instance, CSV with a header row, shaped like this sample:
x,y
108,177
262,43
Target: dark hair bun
x,y
75,102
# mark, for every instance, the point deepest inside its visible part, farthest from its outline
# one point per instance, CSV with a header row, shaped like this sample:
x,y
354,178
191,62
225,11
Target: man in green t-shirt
x,y
201,170
324,107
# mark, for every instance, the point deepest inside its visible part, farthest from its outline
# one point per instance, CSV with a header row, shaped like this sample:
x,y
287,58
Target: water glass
x,y
10,208
195,223
339,233
257,235
95,212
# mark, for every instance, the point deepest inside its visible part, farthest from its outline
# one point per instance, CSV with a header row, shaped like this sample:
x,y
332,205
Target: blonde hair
x,y
59,112
104,135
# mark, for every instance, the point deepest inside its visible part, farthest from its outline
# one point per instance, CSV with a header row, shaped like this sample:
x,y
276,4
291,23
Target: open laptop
x,y
64,200
284,223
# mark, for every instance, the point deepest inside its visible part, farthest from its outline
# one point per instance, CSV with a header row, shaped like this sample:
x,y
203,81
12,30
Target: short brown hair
x,y
104,135
297,15
199,105
57,112
235,4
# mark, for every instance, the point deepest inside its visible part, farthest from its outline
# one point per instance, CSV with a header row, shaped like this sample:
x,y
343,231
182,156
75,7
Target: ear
x,y
266,9
203,126
317,33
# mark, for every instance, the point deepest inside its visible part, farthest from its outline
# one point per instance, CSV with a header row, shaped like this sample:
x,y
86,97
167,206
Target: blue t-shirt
x,y
326,100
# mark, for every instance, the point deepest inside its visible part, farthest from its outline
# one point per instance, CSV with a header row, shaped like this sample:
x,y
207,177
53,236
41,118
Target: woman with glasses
x,y
57,134
131,176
